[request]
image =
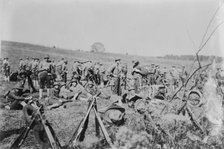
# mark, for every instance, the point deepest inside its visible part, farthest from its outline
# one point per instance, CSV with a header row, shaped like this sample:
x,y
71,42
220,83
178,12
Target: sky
x,y
142,27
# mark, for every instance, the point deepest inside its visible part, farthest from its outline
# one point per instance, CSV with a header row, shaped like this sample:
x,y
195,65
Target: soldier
x,y
157,72
174,77
21,64
96,70
115,71
25,73
183,75
220,80
27,64
137,75
200,81
64,71
14,98
140,74
6,69
34,69
44,76
76,71
103,77
152,74
59,67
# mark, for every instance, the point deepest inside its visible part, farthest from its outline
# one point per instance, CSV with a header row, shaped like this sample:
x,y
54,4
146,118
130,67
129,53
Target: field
x,y
65,119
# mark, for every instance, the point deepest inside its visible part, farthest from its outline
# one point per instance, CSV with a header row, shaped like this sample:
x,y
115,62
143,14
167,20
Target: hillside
x,y
15,50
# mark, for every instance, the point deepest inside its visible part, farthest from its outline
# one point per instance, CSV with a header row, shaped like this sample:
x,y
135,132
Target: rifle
x,y
55,144
81,127
38,115
80,131
19,140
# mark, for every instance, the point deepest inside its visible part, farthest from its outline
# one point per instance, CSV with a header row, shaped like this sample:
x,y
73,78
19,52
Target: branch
x,y
185,84
209,24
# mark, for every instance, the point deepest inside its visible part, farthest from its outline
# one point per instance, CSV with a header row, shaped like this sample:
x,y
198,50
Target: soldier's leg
x,y
48,85
42,78
30,82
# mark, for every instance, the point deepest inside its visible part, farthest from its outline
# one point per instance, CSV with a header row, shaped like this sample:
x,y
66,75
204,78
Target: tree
x,y
97,47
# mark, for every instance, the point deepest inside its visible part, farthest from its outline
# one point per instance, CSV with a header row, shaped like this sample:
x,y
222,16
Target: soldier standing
x,y
64,71
59,67
44,76
183,75
25,73
6,69
115,71
34,69
175,77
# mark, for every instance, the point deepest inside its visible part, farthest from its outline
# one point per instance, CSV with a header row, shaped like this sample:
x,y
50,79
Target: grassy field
x,y
65,119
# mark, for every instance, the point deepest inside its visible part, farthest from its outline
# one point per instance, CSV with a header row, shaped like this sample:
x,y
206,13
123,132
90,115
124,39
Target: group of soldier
x,y
53,75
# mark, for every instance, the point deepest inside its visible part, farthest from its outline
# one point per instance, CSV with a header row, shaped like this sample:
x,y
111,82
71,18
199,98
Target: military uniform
x,y
6,69
76,71
64,71
15,97
183,75
34,69
175,77
59,71
115,71
45,76
26,72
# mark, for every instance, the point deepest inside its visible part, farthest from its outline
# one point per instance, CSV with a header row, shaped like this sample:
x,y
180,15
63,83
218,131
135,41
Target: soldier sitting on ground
x,y
55,100
15,97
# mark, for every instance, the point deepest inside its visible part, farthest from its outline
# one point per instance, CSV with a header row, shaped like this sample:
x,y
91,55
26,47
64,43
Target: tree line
x,y
192,57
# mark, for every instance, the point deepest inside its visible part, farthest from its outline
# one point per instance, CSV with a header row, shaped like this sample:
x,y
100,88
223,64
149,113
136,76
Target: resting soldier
x,y
15,97
44,76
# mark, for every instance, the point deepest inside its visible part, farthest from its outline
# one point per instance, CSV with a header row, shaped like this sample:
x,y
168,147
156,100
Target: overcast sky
x,y
143,27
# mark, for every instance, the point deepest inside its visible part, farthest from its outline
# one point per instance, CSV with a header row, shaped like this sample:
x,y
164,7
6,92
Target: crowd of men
x,y
51,75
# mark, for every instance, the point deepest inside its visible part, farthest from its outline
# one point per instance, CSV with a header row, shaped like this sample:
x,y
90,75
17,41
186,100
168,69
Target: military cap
x,y
118,59
46,57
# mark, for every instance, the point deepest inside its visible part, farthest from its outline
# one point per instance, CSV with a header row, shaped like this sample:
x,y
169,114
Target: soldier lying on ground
x,y
55,100
15,97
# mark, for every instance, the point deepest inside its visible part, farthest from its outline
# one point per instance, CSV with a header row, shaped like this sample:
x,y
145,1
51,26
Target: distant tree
x,y
97,47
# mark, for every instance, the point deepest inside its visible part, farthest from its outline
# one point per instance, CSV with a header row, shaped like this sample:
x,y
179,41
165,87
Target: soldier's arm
x,y
13,96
